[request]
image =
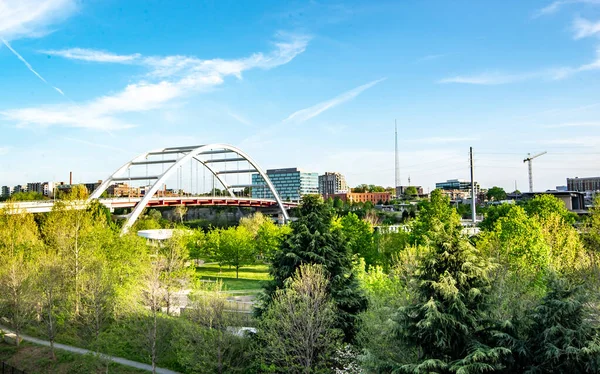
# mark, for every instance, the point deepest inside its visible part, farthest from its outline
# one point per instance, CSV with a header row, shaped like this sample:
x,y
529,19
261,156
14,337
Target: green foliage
x,y
203,342
562,337
545,205
496,194
359,235
436,218
297,331
492,215
452,288
27,196
314,241
368,188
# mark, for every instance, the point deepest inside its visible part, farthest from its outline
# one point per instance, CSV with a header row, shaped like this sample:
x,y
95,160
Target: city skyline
x,y
310,85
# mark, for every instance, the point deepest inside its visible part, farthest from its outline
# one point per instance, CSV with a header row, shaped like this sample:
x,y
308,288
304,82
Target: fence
x,y
7,369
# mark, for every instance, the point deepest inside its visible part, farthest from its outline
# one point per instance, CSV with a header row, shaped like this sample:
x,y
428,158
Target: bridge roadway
x,y
44,206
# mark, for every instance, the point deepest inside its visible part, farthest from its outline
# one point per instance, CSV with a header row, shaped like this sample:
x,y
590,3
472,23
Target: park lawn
x,y
251,278
36,359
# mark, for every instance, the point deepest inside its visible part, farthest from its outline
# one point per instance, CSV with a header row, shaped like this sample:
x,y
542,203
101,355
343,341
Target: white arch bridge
x,y
156,167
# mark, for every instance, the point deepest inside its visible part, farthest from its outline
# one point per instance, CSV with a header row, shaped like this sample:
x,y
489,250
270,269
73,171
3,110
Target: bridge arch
x,y
184,154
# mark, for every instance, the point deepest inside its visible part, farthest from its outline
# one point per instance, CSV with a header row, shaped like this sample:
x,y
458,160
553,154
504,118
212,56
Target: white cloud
x,y
489,78
92,55
584,28
28,65
556,5
170,77
505,78
3,151
30,18
239,118
315,110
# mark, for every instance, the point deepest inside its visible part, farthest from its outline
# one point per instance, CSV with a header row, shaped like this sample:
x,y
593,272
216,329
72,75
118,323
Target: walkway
x,y
118,360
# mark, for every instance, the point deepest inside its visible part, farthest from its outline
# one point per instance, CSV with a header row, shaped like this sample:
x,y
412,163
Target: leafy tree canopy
x,y
496,193
314,241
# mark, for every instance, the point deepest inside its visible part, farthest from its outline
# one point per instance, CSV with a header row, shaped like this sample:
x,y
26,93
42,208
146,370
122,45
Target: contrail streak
x,y
31,67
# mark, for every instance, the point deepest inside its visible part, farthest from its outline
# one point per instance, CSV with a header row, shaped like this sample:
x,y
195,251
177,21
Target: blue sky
x,y
88,85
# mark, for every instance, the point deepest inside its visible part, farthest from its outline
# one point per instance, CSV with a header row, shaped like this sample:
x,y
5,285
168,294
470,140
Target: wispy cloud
x,y
3,151
556,5
169,78
489,78
315,110
573,124
239,118
429,58
28,65
92,55
30,18
496,78
584,28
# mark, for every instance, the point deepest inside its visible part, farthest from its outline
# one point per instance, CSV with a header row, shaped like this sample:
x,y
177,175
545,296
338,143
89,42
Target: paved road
x,y
119,360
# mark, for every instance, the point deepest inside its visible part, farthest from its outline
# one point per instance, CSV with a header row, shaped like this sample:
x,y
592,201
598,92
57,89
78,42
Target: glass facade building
x,y
291,184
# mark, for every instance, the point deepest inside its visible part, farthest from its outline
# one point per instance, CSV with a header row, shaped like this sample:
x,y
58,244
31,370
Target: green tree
x,y
411,191
50,286
359,235
496,194
176,272
436,218
492,215
204,344
26,196
237,247
17,293
450,312
545,205
314,241
297,330
180,212
338,204
562,336
72,233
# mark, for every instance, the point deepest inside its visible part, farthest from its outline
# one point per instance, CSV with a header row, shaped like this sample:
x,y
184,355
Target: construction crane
x,y
528,159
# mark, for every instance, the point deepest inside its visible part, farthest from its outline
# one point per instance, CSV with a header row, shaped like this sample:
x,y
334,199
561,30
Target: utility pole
x,y
528,160
472,187
397,168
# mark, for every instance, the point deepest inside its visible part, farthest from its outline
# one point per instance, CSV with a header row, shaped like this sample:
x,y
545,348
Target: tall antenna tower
x,y
396,154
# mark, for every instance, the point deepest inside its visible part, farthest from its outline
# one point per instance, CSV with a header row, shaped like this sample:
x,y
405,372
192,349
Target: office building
x,y
590,184
332,183
291,184
91,187
123,190
18,188
574,201
35,187
5,192
562,188
457,189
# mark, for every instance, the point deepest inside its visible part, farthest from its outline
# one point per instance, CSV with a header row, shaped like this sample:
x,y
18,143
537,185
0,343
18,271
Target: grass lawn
x,y
251,277
36,359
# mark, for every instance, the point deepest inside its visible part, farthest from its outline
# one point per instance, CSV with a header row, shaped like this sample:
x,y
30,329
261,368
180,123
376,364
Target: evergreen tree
x,y
562,337
448,321
314,241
